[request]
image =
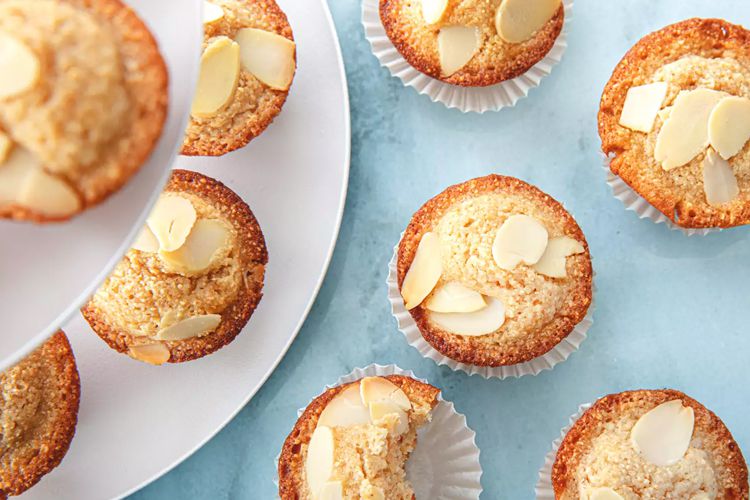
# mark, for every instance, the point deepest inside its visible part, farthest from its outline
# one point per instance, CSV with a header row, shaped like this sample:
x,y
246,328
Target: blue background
x,y
671,311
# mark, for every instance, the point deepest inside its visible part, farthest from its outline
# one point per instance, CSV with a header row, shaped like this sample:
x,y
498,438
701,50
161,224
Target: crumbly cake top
x,y
496,60
689,55
367,453
67,123
604,450
144,294
467,231
254,104
27,397
95,110
691,72
39,399
613,462
371,457
540,309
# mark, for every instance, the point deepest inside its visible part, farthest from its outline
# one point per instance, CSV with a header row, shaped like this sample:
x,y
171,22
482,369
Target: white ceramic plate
x,y
137,421
47,272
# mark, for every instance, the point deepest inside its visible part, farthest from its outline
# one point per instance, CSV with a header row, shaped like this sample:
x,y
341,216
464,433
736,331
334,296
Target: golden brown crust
x,y
726,455
709,38
147,81
291,466
468,349
253,255
485,68
219,135
19,473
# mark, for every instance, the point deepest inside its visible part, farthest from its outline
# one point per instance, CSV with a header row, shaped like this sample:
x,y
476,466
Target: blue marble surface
x,y
671,311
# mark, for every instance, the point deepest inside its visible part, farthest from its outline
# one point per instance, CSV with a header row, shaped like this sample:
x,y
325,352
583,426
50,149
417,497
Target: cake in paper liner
x,y
638,204
546,361
474,99
544,490
445,463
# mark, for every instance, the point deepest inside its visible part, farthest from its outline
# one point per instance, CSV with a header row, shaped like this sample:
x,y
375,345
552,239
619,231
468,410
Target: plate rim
x,y
75,305
324,270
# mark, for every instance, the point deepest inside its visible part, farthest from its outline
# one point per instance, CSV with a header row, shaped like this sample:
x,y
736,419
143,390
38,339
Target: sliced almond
x,y
19,66
381,389
521,238
188,328
5,146
331,490
218,77
171,221
433,10
146,241
424,272
662,435
729,126
267,56
205,239
482,322
376,493
319,463
46,194
684,134
456,46
155,354
453,297
719,181
381,409
604,493
553,260
345,409
211,12
517,20
642,104
14,172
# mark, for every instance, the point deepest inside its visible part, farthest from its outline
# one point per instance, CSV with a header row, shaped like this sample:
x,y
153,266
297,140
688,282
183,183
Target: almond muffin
x,y
192,279
83,99
649,444
38,414
472,42
353,441
494,272
675,120
248,63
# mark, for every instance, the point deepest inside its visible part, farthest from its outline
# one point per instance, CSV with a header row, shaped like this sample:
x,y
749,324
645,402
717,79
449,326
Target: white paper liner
x,y
474,99
543,489
638,204
445,463
546,361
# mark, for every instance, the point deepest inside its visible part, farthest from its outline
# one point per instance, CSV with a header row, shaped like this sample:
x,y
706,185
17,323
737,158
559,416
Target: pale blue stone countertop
x,y
671,311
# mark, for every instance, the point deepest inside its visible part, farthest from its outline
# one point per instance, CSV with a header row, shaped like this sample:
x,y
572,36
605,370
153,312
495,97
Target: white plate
x,y
137,421
47,272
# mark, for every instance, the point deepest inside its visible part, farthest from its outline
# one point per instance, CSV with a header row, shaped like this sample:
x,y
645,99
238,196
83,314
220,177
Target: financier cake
x,y
83,98
675,121
352,441
247,66
192,279
472,42
38,414
494,271
649,444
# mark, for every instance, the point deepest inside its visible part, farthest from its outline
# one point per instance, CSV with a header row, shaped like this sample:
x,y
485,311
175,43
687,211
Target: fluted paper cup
x,y
638,204
445,463
474,99
544,490
546,361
